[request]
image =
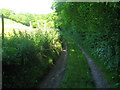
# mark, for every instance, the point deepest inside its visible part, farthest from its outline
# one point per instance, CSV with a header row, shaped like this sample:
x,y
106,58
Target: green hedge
x,y
28,56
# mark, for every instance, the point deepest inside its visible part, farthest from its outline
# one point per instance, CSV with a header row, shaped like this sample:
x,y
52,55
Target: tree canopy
x,y
97,26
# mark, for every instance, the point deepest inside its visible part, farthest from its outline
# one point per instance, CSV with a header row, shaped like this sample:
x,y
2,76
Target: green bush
x,y
27,57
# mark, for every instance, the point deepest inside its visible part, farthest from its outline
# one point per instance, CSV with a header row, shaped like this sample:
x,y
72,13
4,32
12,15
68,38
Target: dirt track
x,y
53,79
98,77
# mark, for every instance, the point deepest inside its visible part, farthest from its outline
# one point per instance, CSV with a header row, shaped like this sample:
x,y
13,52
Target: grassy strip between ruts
x,y
77,74
110,76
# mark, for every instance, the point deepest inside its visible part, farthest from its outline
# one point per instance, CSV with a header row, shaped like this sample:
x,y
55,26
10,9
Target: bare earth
x,y
98,77
53,79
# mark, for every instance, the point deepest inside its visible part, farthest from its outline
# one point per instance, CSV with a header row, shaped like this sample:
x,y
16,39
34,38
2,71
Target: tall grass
x,y
27,57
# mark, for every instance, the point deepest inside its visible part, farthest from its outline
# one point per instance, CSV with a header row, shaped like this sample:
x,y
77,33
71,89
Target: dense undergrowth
x,y
96,27
27,57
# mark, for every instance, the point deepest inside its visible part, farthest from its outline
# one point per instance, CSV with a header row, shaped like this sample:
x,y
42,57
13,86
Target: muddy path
x,y
98,77
54,77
